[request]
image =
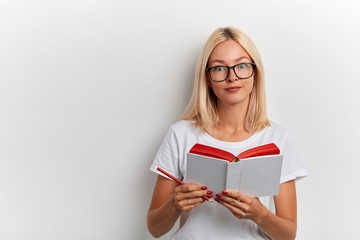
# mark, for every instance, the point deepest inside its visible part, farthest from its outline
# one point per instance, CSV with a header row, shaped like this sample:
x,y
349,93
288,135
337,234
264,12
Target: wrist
x,y
264,214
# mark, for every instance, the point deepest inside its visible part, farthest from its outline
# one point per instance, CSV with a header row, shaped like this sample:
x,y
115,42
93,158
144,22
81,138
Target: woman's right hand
x,y
169,200
189,196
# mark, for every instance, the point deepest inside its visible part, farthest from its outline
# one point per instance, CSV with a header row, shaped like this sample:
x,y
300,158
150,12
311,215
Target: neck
x,y
232,116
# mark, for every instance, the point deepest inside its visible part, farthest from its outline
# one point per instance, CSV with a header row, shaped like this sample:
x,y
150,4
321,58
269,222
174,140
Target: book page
x,y
206,171
259,176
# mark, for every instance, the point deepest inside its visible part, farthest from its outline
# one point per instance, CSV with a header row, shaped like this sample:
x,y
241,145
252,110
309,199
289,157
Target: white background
x,y
89,88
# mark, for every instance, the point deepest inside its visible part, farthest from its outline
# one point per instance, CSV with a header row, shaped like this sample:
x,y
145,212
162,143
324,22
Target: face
x,y
233,90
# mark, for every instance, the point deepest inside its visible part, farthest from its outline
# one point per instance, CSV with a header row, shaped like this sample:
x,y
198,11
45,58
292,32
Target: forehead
x,y
228,51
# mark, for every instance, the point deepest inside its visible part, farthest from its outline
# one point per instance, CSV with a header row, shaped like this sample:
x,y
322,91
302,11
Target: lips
x,y
232,89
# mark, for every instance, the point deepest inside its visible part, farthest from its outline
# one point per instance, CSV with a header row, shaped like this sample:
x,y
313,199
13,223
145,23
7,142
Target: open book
x,y
255,172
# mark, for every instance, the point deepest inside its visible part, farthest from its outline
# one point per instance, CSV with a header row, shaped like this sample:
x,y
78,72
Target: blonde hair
x,y
202,108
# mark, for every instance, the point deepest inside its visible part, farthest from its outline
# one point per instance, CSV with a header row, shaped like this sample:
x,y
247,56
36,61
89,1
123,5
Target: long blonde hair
x,y
202,108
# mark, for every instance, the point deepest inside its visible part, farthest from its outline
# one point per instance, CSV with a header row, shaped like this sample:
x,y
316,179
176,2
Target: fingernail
x,y
225,192
216,199
218,195
209,192
209,196
203,188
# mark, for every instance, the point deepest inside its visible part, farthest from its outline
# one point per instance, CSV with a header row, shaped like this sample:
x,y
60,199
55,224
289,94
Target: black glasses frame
x,y
233,68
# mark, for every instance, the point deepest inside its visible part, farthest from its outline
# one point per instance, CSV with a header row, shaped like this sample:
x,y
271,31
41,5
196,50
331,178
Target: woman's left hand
x,y
241,205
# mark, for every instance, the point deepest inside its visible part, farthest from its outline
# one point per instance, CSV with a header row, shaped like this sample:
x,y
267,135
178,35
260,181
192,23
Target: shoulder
x,y
184,133
275,130
281,137
292,166
184,127
279,129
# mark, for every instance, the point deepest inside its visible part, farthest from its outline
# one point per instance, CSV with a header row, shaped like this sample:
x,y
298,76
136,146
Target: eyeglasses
x,y
221,73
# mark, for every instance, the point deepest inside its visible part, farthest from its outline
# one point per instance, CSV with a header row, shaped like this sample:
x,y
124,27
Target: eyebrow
x,y
221,61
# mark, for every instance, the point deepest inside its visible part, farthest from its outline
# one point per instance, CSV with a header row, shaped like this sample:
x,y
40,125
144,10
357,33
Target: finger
x,y
191,191
190,188
190,201
188,204
236,203
239,196
195,194
189,207
237,212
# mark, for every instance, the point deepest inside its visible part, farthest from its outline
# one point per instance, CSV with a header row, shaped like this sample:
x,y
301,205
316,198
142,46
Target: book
x,y
255,172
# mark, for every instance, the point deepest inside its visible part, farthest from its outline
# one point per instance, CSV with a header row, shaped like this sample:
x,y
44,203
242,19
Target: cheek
x,y
250,85
216,88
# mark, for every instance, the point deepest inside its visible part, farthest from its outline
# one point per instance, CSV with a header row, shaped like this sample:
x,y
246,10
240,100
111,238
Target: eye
x,y
219,68
242,66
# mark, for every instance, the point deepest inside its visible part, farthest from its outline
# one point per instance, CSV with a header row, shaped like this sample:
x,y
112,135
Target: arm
x,y
280,226
283,225
168,201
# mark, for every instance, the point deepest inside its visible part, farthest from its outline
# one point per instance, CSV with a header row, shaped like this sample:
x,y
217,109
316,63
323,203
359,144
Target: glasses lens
x,y
219,73
244,70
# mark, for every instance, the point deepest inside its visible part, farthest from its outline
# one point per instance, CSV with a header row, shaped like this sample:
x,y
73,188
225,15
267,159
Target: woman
x,y
226,111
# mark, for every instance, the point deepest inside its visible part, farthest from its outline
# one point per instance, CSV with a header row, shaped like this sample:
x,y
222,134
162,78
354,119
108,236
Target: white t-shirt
x,y
212,220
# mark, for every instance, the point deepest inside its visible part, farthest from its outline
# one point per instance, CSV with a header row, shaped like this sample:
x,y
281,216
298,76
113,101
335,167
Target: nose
x,y
231,76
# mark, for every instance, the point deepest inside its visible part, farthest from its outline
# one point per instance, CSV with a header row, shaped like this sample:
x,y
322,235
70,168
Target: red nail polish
x,y
218,195
225,192
209,192
203,188
209,196
216,199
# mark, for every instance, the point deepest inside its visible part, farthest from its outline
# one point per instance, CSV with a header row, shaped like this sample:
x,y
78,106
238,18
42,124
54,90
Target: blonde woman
x,y
227,111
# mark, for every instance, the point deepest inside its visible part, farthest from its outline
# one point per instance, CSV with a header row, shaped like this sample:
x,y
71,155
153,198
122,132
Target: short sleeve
x,y
167,156
293,167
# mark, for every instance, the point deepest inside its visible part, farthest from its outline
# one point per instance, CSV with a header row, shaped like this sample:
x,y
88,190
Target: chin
x,y
233,98
236,101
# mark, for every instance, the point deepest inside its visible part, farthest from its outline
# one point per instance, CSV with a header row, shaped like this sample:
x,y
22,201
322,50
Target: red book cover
x,y
263,150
